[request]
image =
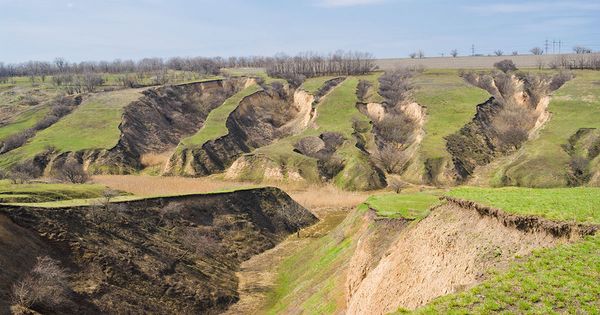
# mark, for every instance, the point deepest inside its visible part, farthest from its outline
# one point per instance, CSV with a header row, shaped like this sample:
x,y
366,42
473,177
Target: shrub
x,y
390,159
362,90
395,86
395,128
45,285
309,146
505,65
397,184
73,172
331,166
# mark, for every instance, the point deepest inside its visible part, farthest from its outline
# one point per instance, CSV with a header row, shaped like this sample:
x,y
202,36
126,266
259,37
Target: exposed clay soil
x,y
450,250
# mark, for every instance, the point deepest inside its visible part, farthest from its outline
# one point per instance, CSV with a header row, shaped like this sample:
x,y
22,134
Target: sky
x,y
81,30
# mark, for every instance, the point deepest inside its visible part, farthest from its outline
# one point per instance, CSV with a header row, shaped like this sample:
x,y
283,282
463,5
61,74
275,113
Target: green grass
x,y
450,102
312,85
93,125
544,162
23,121
414,206
580,204
565,279
42,192
214,126
309,280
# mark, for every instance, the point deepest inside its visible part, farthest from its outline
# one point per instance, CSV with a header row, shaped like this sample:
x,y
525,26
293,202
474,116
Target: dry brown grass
x,y
316,198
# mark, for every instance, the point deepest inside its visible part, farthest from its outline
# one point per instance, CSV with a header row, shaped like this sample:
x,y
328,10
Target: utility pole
x,y
559,44
546,45
473,50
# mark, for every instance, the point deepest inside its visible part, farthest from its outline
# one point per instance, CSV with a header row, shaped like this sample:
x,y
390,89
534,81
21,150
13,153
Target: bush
x,y
395,86
362,90
390,159
309,146
395,128
505,66
45,285
23,172
330,167
397,184
71,171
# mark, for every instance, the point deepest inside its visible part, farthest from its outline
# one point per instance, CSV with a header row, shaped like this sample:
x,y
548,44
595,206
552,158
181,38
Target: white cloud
x,y
346,3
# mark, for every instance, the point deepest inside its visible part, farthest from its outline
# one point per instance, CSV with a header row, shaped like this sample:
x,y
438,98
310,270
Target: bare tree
x,y
45,285
397,184
582,50
73,172
515,53
498,52
421,54
412,55
454,53
390,159
536,51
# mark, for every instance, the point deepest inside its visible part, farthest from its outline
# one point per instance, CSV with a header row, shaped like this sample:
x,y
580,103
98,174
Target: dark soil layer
x,y
171,255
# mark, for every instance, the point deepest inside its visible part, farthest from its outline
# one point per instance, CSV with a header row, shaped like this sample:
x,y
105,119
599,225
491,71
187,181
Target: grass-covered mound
x,y
412,206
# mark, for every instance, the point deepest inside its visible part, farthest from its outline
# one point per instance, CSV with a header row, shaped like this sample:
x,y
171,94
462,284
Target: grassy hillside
x,y
23,121
214,126
312,85
543,162
93,125
450,103
335,113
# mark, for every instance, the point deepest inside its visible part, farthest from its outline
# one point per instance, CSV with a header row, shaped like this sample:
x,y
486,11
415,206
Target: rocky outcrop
x,y
159,255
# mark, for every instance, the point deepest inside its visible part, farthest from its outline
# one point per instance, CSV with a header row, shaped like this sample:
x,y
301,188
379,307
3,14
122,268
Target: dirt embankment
x,y
448,251
161,255
153,125
259,119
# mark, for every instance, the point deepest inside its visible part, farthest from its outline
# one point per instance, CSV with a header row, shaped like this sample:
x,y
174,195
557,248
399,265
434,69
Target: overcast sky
x,y
108,29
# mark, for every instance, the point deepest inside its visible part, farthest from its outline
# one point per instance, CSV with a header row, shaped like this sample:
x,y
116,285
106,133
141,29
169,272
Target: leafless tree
x,y
412,55
498,52
421,54
536,51
395,86
582,50
72,171
397,184
515,53
390,158
454,53
46,284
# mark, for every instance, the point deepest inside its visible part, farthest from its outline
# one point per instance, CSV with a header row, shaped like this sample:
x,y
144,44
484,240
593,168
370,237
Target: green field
x,y
414,206
42,192
581,204
543,162
93,125
214,126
